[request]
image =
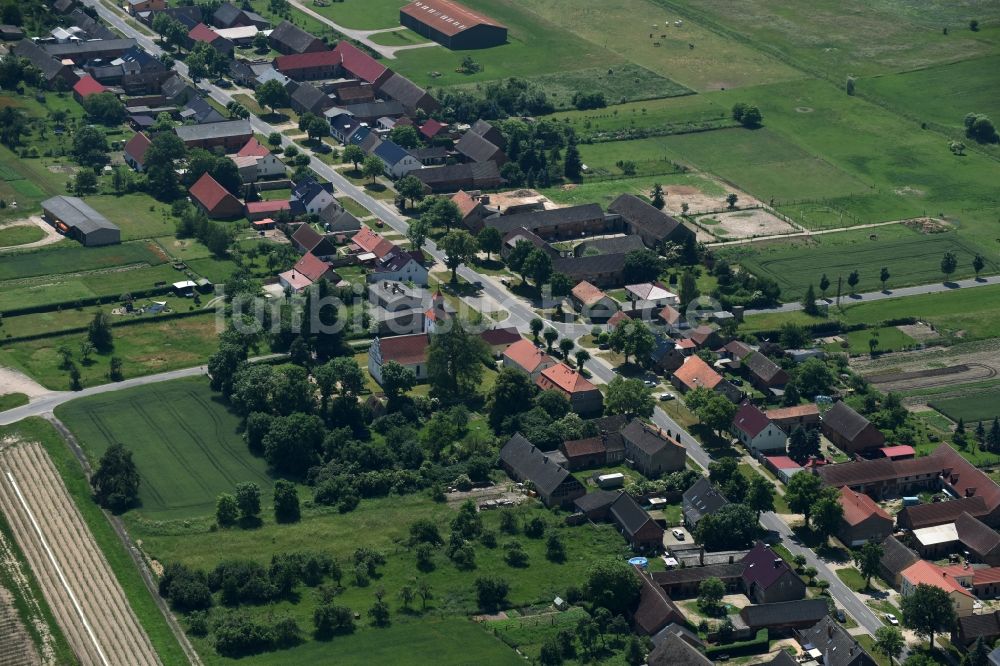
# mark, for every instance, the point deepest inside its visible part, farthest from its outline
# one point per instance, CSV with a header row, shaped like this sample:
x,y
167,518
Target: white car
x,y
678,534
891,619
666,397
649,383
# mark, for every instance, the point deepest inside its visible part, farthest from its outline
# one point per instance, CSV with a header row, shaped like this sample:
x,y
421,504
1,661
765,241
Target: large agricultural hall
x,y
452,25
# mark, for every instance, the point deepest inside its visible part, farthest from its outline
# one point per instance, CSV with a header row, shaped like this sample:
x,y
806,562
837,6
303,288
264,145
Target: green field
x,y
959,88
20,234
404,37
186,445
154,346
840,37
76,258
911,257
363,14
12,400
648,114
889,339
138,215
983,405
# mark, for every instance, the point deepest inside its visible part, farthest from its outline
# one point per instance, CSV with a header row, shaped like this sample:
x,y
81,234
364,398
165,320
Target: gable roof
x,y
646,217
702,499
476,148
802,610
582,267
587,293
359,63
369,241
656,610
209,193
88,86
629,516
526,355
563,377
404,349
447,17
845,421
531,464
312,266
203,33
465,202
976,535
675,651
858,507
271,206
896,556
669,315
647,438
309,97
599,499
838,646
253,148
750,420
763,567
229,128
798,411
402,90
579,448
505,335
761,366
307,237
42,59
923,572
431,128
551,217
619,245
696,373
137,147
292,36
986,625
294,61
477,172
391,153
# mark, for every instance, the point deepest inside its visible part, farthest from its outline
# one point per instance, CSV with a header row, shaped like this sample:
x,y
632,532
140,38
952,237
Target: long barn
x,y
452,25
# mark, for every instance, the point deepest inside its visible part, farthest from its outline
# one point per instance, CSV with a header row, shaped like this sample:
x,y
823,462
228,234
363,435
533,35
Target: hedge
x,y
758,644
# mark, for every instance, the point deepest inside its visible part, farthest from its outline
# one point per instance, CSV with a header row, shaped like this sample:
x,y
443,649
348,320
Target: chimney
x,y
777,562
969,492
829,630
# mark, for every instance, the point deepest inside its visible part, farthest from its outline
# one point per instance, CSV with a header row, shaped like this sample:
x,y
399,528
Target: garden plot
x,y
85,597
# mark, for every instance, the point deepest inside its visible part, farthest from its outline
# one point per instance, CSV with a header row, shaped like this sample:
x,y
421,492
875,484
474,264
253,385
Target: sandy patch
x,y
746,224
63,168
522,197
907,191
699,202
51,235
927,225
919,332
14,381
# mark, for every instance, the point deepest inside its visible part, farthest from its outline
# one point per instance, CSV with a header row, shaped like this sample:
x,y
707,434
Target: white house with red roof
x,y
756,432
949,579
308,270
255,162
368,242
135,151
525,356
863,520
584,397
410,351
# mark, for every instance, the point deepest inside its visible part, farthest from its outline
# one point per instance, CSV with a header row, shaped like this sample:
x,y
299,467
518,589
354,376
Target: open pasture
x,y
911,258
858,37
184,442
76,258
138,215
362,14
623,83
20,234
690,54
652,113
45,290
983,405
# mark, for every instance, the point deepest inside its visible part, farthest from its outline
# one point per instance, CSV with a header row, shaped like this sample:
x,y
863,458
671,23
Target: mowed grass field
x,y
857,37
911,257
138,215
363,14
958,88
68,288
19,234
691,54
186,444
984,405
75,258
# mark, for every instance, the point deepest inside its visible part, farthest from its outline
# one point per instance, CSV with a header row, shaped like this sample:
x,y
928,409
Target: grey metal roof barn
x,y
78,220
213,130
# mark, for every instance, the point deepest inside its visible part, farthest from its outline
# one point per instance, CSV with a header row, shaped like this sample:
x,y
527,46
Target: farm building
x,y
288,38
214,199
452,25
553,482
849,430
71,216
230,135
654,226
584,397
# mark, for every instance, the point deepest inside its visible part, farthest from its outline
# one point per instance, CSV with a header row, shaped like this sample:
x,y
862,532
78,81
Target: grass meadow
x,y
75,258
911,257
138,215
363,14
20,234
110,283
189,450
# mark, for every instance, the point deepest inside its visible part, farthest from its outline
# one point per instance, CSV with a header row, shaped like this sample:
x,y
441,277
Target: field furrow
x,y
86,598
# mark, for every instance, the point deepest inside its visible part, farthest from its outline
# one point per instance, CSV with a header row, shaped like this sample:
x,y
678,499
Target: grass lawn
x,y
852,578
867,641
190,452
652,113
878,37
65,258
624,27
20,234
975,313
275,195
37,429
405,37
67,288
362,14
911,257
138,215
889,339
983,405
155,346
12,400
354,208
183,249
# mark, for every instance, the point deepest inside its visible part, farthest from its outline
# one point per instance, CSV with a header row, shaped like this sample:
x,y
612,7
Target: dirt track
x,y
85,597
953,366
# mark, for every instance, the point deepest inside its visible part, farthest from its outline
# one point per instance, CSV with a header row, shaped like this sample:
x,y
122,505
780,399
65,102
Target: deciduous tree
x,y
116,481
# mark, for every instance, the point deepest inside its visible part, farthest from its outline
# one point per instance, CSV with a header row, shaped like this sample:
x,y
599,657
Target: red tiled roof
x,y
525,354
296,280
695,372
369,241
924,572
253,148
587,293
750,420
312,266
359,63
618,318
858,507
584,447
447,17
290,63
208,192
500,336
202,33
793,412
986,576
466,204
686,344
88,86
669,315
431,128
137,147
897,451
563,377
782,462
405,349
255,207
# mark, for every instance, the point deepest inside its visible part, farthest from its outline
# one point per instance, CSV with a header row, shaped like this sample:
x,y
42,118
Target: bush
x,y
186,589
237,635
758,644
331,620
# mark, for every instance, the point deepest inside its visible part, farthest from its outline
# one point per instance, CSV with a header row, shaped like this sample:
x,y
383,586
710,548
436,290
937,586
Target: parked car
x,y
649,383
840,615
891,619
736,381
223,83
666,397
678,534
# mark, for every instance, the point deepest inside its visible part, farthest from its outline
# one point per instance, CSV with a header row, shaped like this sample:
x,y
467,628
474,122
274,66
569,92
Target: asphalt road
x,y
520,313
